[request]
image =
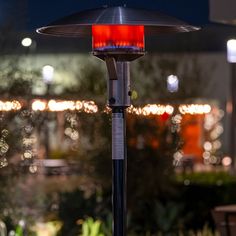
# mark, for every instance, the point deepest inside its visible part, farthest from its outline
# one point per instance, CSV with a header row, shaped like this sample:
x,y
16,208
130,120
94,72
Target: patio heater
x,y
118,37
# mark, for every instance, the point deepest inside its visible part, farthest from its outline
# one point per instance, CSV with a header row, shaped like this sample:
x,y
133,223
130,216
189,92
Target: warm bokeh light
x,y
38,105
33,169
118,37
54,105
195,109
151,109
63,105
226,161
26,42
91,107
10,105
207,146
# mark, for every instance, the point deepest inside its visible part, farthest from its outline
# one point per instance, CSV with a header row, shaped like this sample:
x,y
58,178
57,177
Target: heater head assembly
x,y
116,31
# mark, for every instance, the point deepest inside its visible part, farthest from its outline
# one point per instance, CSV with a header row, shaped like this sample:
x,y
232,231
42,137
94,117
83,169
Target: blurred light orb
x,y
48,72
226,161
12,233
217,144
186,182
22,223
206,108
74,135
27,142
206,155
213,160
207,146
38,105
26,42
33,168
231,50
28,154
219,182
3,162
5,133
68,131
78,105
178,156
177,119
4,147
219,129
172,83
221,114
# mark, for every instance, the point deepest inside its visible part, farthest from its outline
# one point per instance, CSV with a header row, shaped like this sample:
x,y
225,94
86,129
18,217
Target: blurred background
x,y
55,139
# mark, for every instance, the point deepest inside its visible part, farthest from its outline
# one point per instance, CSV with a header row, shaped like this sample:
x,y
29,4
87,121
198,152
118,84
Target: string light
x,y
213,129
151,109
91,107
10,105
195,109
54,105
63,105
39,105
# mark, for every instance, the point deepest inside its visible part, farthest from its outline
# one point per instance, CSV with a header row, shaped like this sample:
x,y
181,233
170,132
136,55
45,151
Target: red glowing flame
x,y
118,36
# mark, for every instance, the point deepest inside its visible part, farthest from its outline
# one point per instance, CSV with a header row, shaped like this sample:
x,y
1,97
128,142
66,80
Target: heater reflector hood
x,y
80,24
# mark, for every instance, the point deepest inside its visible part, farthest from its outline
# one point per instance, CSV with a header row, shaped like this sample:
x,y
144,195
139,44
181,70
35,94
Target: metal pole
x,y
118,99
233,115
46,127
118,171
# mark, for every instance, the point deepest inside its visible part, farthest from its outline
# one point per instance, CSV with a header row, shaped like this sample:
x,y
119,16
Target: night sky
x,y
39,13
44,11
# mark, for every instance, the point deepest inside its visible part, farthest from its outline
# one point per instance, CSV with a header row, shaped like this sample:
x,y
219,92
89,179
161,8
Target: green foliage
x,y
52,227
73,206
207,178
149,167
91,227
15,79
107,225
150,73
206,231
91,82
167,216
19,231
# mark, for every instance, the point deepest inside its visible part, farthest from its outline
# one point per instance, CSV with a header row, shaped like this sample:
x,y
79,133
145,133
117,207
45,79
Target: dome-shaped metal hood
x,y
79,24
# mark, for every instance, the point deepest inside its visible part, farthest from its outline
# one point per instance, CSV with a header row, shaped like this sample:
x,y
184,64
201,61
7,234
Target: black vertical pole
x,y
118,171
119,98
233,115
46,127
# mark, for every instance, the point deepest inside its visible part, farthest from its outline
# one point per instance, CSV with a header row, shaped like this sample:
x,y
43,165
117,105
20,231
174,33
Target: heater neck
x,y
119,92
